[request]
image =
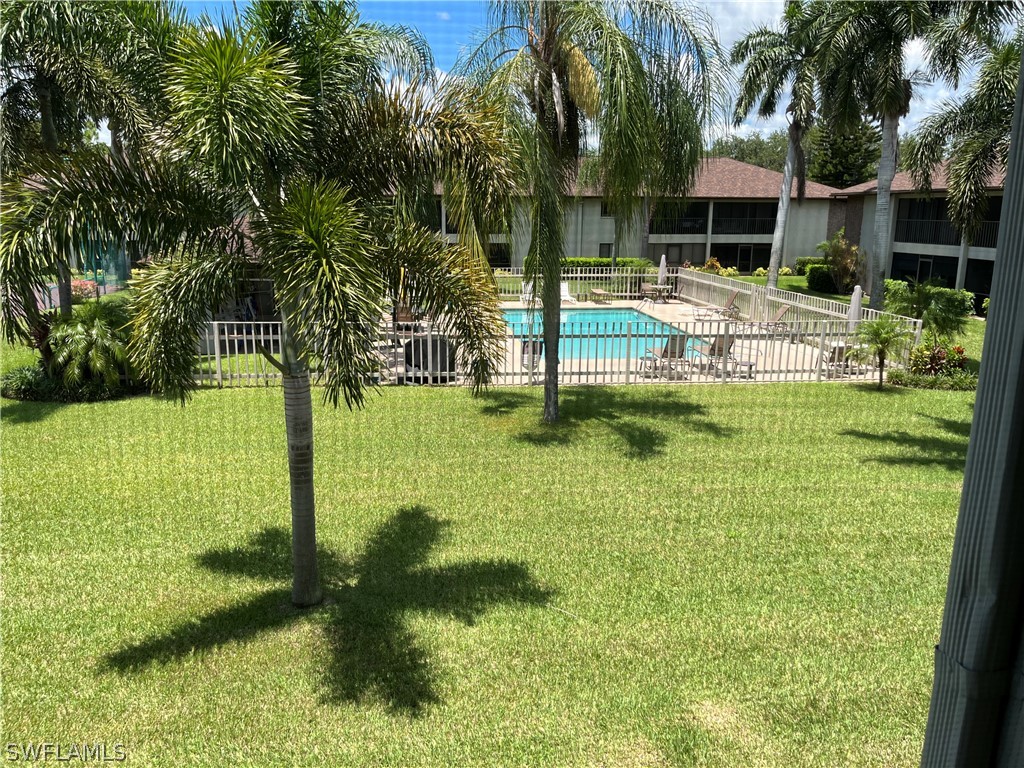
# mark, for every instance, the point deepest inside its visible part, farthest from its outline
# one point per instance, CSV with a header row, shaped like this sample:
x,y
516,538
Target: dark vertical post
x,y
975,717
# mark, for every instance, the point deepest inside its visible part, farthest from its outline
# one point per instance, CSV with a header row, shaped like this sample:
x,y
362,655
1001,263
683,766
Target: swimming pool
x,y
594,334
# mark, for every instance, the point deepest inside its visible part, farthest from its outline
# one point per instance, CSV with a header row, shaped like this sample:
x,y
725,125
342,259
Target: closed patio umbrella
x,y
663,271
976,716
856,308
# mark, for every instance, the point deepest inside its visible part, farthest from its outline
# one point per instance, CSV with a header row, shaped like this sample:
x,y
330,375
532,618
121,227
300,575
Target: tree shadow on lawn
x,y
950,453
27,411
373,653
632,417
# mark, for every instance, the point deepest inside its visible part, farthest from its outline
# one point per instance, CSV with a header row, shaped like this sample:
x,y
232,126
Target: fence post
x,y
725,351
629,346
216,352
821,348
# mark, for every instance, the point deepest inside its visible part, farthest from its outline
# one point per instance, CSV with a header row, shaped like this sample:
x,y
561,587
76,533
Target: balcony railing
x,y
686,225
987,235
732,226
930,231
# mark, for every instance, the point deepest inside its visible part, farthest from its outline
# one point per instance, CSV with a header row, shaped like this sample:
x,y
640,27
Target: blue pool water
x,y
595,334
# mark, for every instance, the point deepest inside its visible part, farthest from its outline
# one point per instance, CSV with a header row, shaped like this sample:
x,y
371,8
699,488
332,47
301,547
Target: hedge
x,y
583,262
819,278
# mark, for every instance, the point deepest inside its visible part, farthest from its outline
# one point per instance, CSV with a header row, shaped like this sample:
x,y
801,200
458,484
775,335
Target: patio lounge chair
x,y
666,358
565,296
708,356
728,311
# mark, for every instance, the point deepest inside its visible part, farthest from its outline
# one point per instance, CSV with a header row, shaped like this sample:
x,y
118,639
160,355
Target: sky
x,y
450,26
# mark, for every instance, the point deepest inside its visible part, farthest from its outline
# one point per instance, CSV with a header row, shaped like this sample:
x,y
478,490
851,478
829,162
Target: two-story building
x,y
729,215
924,244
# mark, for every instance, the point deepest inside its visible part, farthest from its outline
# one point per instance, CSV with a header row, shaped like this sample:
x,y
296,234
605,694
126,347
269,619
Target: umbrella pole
x,y
976,716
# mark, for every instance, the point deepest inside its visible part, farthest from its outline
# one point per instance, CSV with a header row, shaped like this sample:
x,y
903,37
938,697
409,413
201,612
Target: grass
x,y
674,576
797,284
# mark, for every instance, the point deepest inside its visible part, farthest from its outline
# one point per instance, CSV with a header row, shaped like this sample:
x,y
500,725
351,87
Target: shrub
x,y
879,339
711,265
844,261
959,381
728,272
805,261
785,272
82,291
937,360
585,262
89,347
943,311
760,272
984,307
819,278
29,382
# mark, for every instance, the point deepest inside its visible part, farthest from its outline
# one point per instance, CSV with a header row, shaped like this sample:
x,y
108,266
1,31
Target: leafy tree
x,y
843,259
302,168
974,133
943,311
775,60
764,151
906,149
862,64
878,340
565,68
842,158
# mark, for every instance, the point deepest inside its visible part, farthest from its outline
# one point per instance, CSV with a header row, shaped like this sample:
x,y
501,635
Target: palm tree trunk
x,y
881,369
645,232
48,134
552,307
298,420
782,215
886,172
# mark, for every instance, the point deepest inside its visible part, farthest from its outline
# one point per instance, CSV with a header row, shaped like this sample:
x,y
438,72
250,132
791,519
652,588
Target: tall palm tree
x,y
973,133
642,77
773,59
288,156
863,69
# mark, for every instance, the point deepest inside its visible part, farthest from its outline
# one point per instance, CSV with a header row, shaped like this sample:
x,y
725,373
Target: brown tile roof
x,y
904,182
725,178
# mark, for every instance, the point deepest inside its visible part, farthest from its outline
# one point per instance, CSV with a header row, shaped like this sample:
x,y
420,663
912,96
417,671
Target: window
x,y
499,256
988,231
978,280
912,266
605,250
744,218
605,211
923,220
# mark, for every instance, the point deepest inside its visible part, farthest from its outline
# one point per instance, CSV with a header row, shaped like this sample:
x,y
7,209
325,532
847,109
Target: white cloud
x,y
104,132
444,16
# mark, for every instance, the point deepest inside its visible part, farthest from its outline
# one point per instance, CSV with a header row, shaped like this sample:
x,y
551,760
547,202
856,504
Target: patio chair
x,y
648,291
533,353
670,356
729,311
565,296
406,319
716,356
527,297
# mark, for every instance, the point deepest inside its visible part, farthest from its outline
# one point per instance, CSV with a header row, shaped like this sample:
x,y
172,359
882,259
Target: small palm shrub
x,y
89,348
878,340
943,312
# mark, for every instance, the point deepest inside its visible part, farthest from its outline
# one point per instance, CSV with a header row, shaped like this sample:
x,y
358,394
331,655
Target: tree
x,y
772,60
57,75
302,169
862,63
878,339
973,133
843,158
764,151
641,75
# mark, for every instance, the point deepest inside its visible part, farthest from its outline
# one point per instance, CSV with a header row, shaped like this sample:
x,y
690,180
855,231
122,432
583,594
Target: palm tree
x,y
878,340
974,133
288,156
57,74
772,60
862,63
642,77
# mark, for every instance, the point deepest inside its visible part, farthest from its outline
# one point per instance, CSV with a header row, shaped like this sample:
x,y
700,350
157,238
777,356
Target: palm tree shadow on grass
x,y
374,656
948,452
633,418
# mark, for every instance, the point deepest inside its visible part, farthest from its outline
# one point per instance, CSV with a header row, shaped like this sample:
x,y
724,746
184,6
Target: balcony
x,y
743,226
987,235
684,225
929,231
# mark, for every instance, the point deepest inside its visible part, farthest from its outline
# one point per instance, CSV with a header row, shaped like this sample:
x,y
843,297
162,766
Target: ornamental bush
x,y
819,278
943,312
805,261
937,360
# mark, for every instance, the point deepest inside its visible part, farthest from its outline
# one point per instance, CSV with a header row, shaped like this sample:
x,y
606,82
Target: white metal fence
x,y
780,336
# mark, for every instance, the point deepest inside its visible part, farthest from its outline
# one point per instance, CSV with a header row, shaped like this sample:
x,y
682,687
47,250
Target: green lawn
x,y
797,284
675,576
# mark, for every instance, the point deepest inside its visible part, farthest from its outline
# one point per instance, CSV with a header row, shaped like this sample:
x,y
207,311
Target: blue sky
x,y
450,25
